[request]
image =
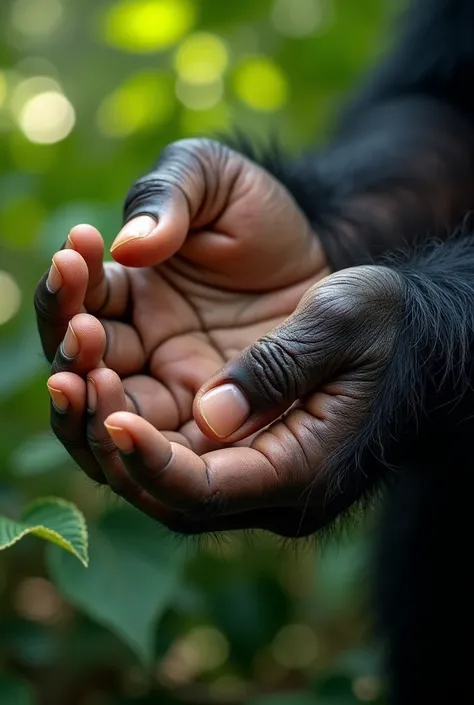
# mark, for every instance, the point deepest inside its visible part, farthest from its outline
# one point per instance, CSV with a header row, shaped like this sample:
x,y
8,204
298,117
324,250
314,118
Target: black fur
x,y
399,172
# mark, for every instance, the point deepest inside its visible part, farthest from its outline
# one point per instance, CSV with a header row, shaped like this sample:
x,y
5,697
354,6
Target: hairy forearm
x,y
423,405
400,165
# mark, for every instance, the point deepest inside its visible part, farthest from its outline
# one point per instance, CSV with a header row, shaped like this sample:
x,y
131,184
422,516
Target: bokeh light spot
x,y
367,688
28,88
261,84
47,118
144,100
199,97
295,646
37,599
300,18
142,26
10,297
36,19
201,59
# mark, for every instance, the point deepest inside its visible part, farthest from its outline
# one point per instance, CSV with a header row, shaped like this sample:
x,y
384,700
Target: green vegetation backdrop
x,y
90,90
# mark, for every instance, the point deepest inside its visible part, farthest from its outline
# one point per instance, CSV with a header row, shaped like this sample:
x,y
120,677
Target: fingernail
x,y
54,281
91,396
59,399
70,343
69,243
136,228
224,409
120,437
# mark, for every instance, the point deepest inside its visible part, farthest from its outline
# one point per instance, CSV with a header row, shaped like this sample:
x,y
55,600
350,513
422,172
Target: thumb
x,y
156,214
282,367
161,206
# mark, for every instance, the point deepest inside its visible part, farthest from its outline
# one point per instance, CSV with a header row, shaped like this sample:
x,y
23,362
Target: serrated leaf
x,y
52,519
134,570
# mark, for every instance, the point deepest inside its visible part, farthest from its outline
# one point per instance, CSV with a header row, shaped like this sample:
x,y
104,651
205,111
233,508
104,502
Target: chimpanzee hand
x,y
232,255
311,384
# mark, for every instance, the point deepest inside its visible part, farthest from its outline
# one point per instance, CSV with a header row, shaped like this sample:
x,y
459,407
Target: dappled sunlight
x,y
143,100
47,118
143,26
36,18
199,97
261,83
201,59
10,297
301,18
90,94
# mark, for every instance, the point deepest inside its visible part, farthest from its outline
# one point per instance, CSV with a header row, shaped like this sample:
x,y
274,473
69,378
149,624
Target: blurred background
x,y
90,90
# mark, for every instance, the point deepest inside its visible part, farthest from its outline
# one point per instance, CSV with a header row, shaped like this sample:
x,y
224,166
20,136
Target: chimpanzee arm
x,y
400,166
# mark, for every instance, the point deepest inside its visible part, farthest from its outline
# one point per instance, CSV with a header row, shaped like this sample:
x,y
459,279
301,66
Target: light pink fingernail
x,y
59,399
54,281
120,437
70,343
136,228
91,396
224,409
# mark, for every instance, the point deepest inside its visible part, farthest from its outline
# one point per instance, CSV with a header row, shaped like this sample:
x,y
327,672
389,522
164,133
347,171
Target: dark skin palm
x,y
226,270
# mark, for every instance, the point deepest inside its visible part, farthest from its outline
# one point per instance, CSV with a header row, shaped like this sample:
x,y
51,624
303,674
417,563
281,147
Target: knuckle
x,y
212,505
61,363
276,370
102,448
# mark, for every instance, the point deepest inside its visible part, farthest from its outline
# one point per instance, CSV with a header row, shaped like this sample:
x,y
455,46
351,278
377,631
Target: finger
x,y
68,420
154,402
107,292
225,481
320,339
58,297
105,396
161,206
257,386
83,346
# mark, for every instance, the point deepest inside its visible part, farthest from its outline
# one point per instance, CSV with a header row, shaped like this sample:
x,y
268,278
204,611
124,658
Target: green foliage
x,y
126,547
52,519
150,620
15,692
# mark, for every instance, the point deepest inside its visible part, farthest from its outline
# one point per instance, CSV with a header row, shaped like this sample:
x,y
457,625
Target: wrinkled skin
x,y
230,258
232,264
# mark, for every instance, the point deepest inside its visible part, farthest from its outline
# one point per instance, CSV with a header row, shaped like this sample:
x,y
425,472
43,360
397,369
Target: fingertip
x,y
84,231
58,397
221,411
67,384
119,434
144,241
70,265
133,231
119,419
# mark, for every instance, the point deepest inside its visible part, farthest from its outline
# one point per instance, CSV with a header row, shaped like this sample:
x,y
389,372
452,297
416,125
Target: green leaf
x,y
134,570
52,519
15,692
